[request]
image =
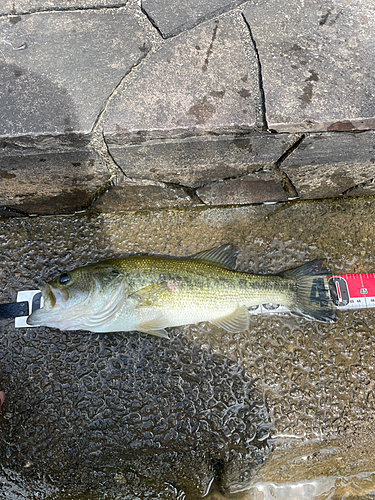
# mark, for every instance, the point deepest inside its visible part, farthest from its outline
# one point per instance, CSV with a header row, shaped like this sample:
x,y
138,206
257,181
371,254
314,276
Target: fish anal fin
x,y
154,327
225,255
236,322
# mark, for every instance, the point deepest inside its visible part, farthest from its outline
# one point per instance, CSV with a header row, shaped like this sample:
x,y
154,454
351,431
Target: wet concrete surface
x,y
129,416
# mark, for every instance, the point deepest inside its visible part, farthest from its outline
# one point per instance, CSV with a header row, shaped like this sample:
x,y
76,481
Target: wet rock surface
x,y
172,93
313,56
328,165
193,162
52,182
198,82
184,16
58,68
132,416
11,7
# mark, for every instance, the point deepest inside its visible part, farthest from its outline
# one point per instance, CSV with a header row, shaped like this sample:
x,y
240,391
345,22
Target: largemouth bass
x,y
151,293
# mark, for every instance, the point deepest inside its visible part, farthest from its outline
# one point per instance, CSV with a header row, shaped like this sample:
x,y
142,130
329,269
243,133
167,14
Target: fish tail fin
x,y
312,295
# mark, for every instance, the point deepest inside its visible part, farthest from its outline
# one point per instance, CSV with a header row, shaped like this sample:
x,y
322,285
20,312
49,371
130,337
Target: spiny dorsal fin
x,y
236,322
225,255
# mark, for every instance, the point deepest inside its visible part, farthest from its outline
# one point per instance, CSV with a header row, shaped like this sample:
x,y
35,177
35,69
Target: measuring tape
x,y
347,291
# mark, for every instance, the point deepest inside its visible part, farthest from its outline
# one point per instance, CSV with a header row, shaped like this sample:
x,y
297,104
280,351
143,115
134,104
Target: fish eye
x,y
64,278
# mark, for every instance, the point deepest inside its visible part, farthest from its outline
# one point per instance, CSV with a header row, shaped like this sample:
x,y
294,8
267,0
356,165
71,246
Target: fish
x,y
149,293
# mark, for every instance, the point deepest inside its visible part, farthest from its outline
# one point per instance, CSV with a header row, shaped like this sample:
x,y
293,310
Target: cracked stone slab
x,y
317,63
171,17
196,161
127,195
58,69
12,7
47,183
327,165
257,187
200,81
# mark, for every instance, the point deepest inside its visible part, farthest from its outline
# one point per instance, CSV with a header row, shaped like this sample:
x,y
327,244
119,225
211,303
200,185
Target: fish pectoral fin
x,y
151,294
236,322
154,327
225,255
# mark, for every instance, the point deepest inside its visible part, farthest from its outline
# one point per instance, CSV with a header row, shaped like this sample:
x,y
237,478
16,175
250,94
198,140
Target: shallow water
x,y
283,409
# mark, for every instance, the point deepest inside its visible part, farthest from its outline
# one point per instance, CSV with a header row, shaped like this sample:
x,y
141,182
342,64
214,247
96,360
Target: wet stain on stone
x,y
313,76
202,110
307,95
343,126
217,93
209,51
243,144
6,175
143,48
293,48
15,19
324,17
244,93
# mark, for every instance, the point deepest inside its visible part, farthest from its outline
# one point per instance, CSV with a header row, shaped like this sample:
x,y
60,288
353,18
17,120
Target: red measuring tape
x,y
352,291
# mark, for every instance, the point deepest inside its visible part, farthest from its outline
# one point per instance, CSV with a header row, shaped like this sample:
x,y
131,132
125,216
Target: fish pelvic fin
x,y
312,295
154,327
236,322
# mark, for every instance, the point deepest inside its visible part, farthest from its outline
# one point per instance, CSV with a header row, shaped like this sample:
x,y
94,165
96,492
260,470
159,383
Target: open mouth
x,y
48,297
54,302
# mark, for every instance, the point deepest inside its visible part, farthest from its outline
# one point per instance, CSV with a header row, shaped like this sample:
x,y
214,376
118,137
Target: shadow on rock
x,y
124,414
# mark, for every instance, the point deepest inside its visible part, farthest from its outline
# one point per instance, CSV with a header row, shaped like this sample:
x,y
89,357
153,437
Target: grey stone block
x,y
46,183
58,69
326,165
257,187
197,161
11,7
201,81
173,17
127,195
317,63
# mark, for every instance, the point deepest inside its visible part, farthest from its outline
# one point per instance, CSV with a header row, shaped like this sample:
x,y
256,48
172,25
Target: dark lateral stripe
x,y
14,310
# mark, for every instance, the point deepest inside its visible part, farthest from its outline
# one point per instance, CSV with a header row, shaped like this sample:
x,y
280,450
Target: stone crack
x,y
263,119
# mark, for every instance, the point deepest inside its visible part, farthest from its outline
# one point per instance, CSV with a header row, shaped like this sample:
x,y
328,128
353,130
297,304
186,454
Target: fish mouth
x,y
54,300
49,297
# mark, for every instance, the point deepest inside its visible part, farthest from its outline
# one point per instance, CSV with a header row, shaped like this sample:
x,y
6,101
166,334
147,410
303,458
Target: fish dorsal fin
x,y
154,327
225,255
313,268
236,322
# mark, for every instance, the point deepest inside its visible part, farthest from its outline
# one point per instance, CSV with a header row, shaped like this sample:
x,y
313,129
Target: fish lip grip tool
x,y
347,291
28,301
